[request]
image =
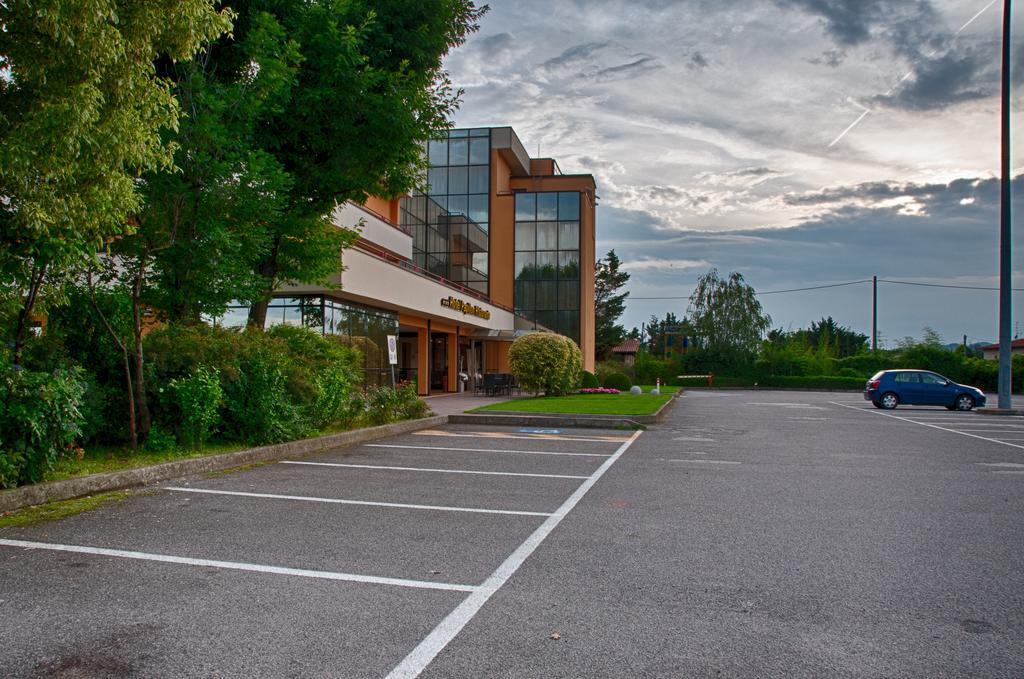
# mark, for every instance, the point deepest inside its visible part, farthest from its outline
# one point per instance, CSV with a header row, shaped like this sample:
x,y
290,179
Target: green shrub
x,y
160,440
589,380
617,381
258,408
384,404
547,362
40,418
334,387
199,397
649,369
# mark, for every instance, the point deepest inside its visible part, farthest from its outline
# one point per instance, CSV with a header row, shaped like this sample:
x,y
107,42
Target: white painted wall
x,y
375,229
379,283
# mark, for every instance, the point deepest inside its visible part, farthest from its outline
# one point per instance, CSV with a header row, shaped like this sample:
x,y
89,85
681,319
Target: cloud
x,y
832,58
697,61
656,263
633,69
943,81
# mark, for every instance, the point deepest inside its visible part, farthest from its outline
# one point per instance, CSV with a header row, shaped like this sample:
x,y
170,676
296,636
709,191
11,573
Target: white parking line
x,y
527,437
237,566
706,461
449,628
327,500
439,471
925,424
485,450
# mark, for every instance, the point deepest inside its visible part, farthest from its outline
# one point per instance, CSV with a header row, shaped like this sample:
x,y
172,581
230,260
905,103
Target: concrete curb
x,y
53,491
999,411
517,419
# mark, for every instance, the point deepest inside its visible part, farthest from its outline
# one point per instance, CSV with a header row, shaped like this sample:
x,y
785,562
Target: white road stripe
x,y
327,500
1012,465
707,461
484,450
439,471
498,436
925,424
237,566
449,628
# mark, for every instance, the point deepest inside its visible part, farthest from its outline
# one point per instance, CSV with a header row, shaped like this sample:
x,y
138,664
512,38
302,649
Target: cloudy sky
x,y
799,142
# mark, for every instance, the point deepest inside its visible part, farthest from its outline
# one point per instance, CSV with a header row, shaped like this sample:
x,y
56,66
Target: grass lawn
x,y
116,458
582,404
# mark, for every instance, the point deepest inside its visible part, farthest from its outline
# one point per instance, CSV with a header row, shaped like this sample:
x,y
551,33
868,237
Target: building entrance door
x,y
438,362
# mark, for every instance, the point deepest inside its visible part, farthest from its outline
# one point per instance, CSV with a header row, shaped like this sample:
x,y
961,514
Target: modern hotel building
x,y
499,245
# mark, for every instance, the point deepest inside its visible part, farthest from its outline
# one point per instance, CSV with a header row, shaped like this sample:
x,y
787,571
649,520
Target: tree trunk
x,y
133,435
25,315
140,378
268,269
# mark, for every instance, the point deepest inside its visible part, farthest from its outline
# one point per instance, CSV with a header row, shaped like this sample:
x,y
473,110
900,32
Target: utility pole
x,y
1005,216
874,314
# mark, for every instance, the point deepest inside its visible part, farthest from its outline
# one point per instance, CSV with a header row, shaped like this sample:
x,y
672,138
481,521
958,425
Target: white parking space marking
x,y
485,450
700,439
705,461
797,406
426,469
809,419
1012,465
365,503
525,437
449,628
933,426
237,566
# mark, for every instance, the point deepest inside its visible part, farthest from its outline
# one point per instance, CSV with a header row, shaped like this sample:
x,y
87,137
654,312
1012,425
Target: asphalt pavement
x,y
752,534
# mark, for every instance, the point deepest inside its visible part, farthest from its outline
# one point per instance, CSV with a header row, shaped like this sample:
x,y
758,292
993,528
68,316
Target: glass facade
x,y
547,260
360,327
450,222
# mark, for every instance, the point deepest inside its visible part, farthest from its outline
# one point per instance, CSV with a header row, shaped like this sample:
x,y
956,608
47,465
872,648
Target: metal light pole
x,y
1005,271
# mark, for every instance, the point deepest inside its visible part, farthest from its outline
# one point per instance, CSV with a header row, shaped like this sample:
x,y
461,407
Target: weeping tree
x,y
726,317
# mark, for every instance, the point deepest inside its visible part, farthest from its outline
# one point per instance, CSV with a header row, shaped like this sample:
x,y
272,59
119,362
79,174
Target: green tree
x,y
81,111
609,303
726,316
369,90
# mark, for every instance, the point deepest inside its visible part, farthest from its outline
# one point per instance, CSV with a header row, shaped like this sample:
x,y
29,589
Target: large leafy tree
x,y
726,316
369,91
609,303
81,111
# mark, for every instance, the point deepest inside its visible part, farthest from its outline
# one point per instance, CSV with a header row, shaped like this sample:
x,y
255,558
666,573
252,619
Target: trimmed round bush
x,y
635,390
617,381
547,362
589,380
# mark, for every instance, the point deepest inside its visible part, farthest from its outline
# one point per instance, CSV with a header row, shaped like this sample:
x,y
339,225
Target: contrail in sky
x,y
909,73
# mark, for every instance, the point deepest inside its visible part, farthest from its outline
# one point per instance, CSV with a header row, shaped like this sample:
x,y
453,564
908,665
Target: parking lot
x,y
343,564
751,534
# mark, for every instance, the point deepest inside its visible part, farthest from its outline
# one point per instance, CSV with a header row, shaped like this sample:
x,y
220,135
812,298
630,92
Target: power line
x,y
938,285
840,285
778,292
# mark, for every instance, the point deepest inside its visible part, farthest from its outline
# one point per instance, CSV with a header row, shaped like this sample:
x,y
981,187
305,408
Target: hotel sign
x,y
465,307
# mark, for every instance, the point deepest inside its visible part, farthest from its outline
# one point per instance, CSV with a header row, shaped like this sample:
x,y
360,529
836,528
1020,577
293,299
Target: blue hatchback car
x,y
890,388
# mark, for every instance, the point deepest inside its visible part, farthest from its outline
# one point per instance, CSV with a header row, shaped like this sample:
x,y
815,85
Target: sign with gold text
x,y
465,307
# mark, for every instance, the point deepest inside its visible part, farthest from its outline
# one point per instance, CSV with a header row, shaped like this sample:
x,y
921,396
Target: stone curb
x,y
999,411
53,491
516,419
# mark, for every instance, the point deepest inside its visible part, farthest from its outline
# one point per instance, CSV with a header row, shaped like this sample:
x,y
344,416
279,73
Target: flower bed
x,y
599,390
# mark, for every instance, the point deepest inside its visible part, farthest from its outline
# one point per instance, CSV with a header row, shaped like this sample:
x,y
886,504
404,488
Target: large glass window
x,y
362,328
547,260
458,193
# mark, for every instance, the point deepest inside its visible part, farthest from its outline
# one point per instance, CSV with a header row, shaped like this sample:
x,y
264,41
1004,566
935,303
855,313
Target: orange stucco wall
x,y
502,234
386,208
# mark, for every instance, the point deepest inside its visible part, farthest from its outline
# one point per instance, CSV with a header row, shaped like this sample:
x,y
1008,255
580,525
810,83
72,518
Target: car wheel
x,y
950,407
889,400
964,402
876,404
